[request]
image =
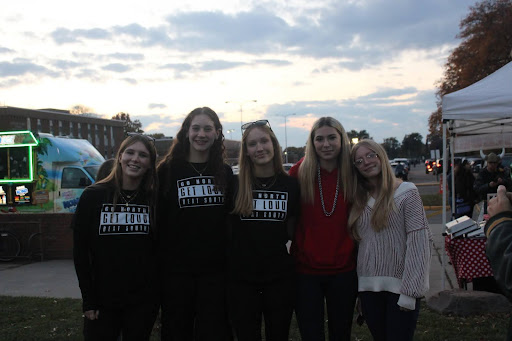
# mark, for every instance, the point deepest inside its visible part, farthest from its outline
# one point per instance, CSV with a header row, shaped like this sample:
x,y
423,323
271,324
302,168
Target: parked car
x,y
400,170
287,166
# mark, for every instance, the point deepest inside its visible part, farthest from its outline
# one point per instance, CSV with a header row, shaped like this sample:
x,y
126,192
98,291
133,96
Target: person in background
x,y
389,223
498,247
193,223
262,271
114,237
465,196
323,249
491,177
105,169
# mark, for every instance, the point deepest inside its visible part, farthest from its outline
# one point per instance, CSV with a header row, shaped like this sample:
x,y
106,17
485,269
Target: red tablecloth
x,y
467,256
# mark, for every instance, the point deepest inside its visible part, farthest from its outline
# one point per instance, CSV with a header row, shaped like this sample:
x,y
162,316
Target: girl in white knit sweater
x,y
388,221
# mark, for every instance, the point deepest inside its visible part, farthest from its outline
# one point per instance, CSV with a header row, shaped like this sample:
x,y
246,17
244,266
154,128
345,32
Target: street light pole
x,y
230,132
286,138
241,104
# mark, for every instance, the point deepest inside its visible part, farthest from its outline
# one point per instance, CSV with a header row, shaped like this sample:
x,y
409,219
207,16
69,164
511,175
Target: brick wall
x,y
57,235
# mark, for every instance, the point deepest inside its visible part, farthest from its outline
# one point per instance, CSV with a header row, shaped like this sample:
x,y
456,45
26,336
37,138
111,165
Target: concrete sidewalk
x,y
57,278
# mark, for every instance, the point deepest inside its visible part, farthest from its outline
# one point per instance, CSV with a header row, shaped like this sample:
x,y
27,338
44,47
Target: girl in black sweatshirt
x,y
114,246
192,220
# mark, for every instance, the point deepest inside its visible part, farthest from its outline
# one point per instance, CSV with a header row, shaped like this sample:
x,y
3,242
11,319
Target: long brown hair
x,y
149,184
308,168
244,197
384,203
180,150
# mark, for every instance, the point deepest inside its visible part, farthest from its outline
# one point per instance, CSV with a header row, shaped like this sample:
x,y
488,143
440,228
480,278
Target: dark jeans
x,y
385,319
339,293
135,322
194,307
248,301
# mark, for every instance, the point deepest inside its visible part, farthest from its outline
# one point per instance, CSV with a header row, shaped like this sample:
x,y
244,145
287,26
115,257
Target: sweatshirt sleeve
x,y
82,221
415,281
499,249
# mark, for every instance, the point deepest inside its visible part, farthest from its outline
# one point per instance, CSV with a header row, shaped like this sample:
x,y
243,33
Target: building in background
x,y
104,134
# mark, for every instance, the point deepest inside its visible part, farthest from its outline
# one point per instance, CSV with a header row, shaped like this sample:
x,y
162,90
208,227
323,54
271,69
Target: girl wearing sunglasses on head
x,y
192,219
322,247
261,269
114,234
388,221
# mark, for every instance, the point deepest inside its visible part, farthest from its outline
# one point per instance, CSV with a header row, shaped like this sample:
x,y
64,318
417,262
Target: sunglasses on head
x,y
256,123
147,137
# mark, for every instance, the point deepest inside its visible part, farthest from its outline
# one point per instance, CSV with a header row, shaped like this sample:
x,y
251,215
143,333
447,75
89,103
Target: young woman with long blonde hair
x,y
389,223
262,271
323,248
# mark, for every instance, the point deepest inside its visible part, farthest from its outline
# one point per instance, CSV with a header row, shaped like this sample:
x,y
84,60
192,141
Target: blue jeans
x,y
385,319
339,293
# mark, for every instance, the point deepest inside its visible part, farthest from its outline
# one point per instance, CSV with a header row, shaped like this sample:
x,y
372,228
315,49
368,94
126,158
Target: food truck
x,y
44,174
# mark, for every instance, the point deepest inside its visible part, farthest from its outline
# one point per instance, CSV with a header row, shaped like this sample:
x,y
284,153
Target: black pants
x,y
248,301
135,322
194,307
339,292
385,319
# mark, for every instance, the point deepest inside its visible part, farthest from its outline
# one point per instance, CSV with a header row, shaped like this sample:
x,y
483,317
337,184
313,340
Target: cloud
x,y
126,56
157,106
216,65
11,82
117,67
275,62
66,64
5,50
23,67
131,81
359,34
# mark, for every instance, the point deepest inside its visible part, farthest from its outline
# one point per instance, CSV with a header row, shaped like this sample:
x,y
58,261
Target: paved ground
x,y
57,278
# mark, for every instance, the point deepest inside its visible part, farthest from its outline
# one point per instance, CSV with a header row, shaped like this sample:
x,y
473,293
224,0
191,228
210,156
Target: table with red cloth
x,y
467,256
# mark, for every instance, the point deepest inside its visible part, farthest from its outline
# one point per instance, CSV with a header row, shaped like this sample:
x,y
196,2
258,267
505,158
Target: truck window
x,y
74,178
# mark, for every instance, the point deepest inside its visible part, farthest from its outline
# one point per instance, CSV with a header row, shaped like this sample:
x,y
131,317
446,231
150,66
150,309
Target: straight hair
x,y
308,169
384,203
149,183
244,195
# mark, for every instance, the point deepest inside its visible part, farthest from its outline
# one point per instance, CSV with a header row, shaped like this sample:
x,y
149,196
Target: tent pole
x,y
443,193
452,175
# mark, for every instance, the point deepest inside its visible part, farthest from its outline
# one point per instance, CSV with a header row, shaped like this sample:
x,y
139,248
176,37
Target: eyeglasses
x,y
256,123
370,156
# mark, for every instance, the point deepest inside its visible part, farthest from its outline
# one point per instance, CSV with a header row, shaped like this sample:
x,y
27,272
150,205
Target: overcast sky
x,y
370,64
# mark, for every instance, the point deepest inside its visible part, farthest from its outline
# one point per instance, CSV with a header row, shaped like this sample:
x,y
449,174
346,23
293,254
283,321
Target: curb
x,y
432,208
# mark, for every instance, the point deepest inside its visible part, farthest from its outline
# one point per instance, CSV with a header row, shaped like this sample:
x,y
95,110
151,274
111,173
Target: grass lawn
x,y
29,318
432,199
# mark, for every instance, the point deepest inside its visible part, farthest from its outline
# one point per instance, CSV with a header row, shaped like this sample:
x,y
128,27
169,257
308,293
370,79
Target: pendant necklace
x,y
265,185
200,172
328,214
128,198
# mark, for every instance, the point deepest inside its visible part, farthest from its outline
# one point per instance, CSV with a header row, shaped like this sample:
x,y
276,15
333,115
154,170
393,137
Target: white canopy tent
x,y
478,117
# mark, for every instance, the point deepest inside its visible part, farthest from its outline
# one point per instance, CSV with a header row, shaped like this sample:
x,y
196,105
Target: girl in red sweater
x,y
323,248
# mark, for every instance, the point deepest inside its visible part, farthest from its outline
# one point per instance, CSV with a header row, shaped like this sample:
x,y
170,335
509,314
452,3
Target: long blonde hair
x,y
384,203
308,169
244,197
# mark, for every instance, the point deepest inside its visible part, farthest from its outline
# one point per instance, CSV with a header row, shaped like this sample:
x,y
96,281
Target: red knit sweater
x,y
322,245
